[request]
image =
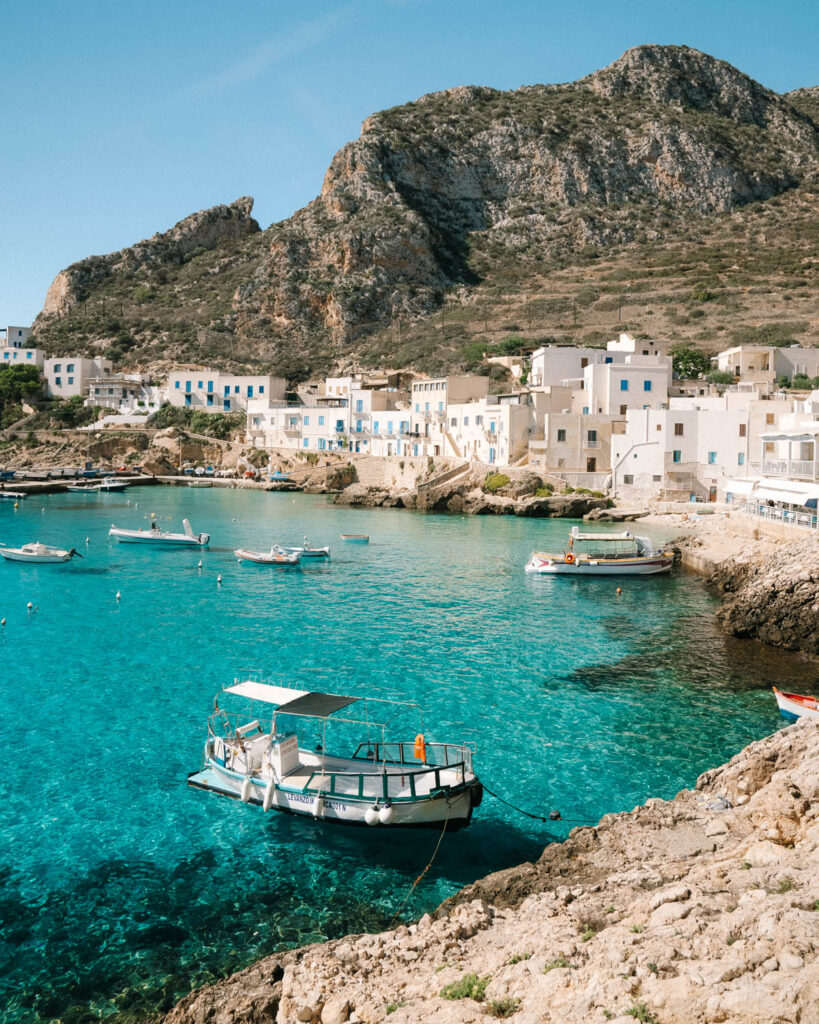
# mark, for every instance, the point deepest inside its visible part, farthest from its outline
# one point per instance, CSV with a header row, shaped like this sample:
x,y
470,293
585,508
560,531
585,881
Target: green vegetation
x,y
642,1013
654,968
689,361
637,928
215,424
495,481
610,908
19,384
502,1007
470,986
786,884
546,491
392,1007
719,377
517,957
556,964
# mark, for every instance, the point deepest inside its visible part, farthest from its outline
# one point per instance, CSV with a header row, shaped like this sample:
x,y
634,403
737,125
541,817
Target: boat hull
x,y
162,540
793,706
264,558
433,812
556,565
15,555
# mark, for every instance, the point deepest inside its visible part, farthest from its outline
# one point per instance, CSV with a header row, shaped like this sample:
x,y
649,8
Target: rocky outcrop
x,y
704,908
437,192
202,231
775,600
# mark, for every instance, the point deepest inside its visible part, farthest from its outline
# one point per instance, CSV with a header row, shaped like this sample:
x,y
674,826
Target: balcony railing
x,y
797,469
807,520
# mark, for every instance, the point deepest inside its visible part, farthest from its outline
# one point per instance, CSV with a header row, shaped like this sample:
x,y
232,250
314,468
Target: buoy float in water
x,y
87,540
119,595
30,606
386,814
619,590
17,504
3,623
371,815
200,564
219,578
246,790
270,790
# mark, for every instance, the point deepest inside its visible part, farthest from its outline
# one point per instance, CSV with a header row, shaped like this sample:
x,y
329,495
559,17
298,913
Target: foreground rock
x,y
775,600
700,909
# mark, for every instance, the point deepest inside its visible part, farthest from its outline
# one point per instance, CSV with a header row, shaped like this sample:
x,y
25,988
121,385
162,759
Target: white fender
x,y
246,790
371,815
270,789
318,810
386,814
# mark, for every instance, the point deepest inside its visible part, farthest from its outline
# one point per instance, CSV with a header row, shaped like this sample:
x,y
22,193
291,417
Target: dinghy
x,y
13,495
38,553
306,551
795,705
356,538
156,535
275,556
254,753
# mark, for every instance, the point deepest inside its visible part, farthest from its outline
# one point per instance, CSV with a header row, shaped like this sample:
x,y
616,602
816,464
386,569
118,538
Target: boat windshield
x,y
604,547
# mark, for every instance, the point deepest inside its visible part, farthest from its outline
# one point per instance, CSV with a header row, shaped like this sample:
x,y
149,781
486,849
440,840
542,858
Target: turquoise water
x,y
121,888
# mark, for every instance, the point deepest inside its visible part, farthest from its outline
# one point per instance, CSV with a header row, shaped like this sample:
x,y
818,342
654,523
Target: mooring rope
x,y
420,878
553,816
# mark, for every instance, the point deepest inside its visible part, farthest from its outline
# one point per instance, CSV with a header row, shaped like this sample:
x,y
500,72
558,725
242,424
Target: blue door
x,y
491,456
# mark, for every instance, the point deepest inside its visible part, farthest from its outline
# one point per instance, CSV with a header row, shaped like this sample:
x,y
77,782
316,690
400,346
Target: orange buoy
x,y
619,590
569,558
420,750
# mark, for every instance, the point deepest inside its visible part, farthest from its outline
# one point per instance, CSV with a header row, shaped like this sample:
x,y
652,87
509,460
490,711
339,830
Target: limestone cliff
x,y
441,191
699,909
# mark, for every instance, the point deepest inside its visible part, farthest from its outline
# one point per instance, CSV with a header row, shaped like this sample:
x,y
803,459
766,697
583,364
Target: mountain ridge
x,y
435,195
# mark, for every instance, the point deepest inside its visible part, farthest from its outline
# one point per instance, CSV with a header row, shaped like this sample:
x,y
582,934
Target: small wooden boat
x,y
795,705
262,751
356,538
602,554
159,537
275,556
38,553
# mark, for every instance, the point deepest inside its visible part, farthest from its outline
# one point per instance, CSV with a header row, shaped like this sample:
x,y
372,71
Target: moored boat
x,y
156,535
106,484
13,495
356,538
38,552
255,755
603,554
796,705
275,556
306,551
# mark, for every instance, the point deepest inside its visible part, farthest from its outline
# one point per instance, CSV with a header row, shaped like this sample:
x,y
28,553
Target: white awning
x,y
744,486
276,695
806,432
787,491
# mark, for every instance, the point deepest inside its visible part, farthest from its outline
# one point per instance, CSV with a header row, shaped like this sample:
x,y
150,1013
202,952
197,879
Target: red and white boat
x,y
795,705
603,554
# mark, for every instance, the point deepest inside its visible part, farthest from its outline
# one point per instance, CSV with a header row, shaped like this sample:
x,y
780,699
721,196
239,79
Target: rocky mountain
x,y
439,198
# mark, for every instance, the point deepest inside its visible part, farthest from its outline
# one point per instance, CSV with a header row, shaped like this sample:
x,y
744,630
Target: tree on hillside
x,y
18,383
689,361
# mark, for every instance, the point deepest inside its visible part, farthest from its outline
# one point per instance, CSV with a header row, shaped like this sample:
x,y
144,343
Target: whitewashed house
x,y
215,391
69,376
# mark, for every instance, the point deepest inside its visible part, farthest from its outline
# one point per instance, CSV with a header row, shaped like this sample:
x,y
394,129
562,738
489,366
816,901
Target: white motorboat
x,y
104,486
13,495
156,535
356,538
38,552
255,755
275,556
306,551
603,554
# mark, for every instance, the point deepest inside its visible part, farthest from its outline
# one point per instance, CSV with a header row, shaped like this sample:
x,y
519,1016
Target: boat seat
x,y
253,726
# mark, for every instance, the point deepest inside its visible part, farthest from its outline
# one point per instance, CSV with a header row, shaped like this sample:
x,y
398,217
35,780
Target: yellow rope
x,y
420,878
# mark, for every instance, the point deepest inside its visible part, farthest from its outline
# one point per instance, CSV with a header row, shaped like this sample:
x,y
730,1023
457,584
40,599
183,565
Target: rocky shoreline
x,y
698,909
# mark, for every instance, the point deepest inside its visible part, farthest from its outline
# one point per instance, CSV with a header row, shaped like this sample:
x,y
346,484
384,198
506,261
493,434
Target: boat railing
x,y
443,755
365,785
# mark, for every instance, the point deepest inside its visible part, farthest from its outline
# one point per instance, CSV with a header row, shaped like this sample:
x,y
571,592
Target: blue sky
x,y
118,119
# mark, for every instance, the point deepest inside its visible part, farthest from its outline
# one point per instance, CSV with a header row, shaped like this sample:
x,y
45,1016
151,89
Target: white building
x,y
560,364
430,399
127,394
764,363
576,447
494,429
14,337
214,391
638,382
68,376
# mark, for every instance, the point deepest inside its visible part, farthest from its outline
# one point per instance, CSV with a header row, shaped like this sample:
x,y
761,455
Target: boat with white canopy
x,y
256,754
106,485
603,554
306,550
38,552
156,535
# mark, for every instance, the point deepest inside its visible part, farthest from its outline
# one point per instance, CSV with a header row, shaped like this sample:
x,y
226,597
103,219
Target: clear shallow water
x,y
121,888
